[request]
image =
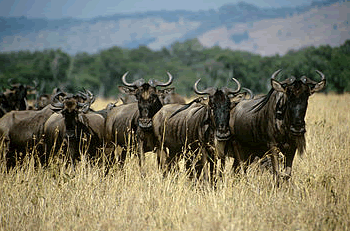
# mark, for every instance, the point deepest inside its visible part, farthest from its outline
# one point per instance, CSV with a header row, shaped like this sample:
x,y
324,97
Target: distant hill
x,y
242,26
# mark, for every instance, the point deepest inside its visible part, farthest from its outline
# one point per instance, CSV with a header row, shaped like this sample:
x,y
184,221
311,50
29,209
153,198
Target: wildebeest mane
x,y
197,100
262,102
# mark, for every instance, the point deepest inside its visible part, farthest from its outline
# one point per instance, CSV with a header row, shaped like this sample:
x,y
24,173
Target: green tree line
x,y
187,61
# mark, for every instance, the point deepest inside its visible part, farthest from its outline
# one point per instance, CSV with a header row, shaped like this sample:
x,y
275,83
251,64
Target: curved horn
x,y
92,98
197,91
126,83
275,74
136,83
56,100
320,85
249,91
321,74
160,84
238,87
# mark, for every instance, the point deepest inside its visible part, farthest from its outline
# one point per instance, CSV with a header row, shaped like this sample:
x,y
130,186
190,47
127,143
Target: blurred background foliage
x,y
101,72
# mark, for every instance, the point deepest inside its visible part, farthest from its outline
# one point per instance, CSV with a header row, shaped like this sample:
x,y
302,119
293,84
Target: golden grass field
x,y
316,198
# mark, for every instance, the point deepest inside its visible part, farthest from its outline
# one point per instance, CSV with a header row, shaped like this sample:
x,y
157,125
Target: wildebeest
x,y
43,100
14,98
74,127
136,118
127,99
170,97
196,125
274,122
22,130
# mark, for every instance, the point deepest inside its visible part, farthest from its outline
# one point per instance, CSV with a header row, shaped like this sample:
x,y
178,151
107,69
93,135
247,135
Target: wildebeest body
x,y
197,126
273,123
187,127
124,121
20,127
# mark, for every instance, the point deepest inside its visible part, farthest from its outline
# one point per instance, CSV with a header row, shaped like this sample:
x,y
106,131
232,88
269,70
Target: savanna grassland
x,y
316,198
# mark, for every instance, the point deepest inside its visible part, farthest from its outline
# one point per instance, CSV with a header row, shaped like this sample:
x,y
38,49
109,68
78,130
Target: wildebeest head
x,y
70,106
292,104
15,98
220,107
147,96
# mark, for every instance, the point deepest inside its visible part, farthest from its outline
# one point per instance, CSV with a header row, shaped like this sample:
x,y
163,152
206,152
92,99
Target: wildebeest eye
x,y
292,79
303,79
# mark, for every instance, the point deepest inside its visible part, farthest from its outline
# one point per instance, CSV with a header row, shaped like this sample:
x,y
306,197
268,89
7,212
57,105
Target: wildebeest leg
x,y
274,153
289,157
238,163
11,159
8,154
72,150
205,165
163,160
141,153
122,157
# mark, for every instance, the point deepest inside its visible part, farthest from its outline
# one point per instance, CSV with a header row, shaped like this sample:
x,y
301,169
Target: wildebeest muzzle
x,y
145,123
223,135
297,129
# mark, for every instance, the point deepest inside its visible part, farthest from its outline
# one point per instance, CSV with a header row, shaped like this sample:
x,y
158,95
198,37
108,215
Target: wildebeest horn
x,y
204,92
56,100
124,80
238,87
91,96
35,85
87,95
275,74
321,74
156,83
136,83
310,81
249,91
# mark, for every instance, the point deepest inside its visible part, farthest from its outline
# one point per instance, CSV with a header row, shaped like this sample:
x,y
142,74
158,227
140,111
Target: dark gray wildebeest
x,y
74,127
43,100
273,123
197,126
14,98
22,133
135,118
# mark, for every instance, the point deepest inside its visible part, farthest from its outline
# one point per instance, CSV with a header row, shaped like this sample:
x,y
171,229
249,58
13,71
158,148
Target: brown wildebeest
x,y
136,118
197,125
170,97
74,127
274,122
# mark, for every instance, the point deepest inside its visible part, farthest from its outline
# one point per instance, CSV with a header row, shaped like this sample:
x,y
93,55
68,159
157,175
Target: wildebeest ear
x,y
127,90
168,90
319,86
163,92
277,86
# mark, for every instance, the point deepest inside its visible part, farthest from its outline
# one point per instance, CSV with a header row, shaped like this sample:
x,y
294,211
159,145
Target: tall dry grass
x,y
316,198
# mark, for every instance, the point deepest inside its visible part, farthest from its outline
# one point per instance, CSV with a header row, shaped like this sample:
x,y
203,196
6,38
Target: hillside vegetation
x,y
316,198
101,73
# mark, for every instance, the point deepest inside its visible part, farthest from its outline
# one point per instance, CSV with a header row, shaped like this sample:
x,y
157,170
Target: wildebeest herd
x,y
219,123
